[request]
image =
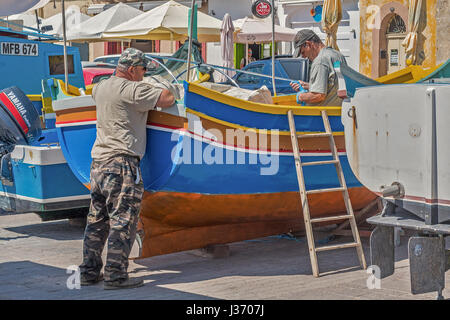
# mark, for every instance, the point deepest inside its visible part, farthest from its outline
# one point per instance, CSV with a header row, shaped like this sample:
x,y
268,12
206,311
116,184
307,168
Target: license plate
x,y
19,49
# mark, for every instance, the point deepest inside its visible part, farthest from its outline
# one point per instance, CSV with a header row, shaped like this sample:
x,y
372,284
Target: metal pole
x,y
37,22
188,73
66,75
246,61
273,48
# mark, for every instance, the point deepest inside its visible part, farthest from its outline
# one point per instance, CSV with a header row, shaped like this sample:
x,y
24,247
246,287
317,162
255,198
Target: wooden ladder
x,y
304,194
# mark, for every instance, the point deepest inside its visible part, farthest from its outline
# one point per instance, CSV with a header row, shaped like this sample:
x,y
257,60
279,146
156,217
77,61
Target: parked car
x,y
93,75
89,64
111,59
285,67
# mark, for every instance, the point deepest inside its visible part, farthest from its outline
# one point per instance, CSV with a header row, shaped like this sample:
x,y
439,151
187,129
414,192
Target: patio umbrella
x,y
10,7
93,28
249,30
331,16
166,22
410,42
73,18
226,44
29,20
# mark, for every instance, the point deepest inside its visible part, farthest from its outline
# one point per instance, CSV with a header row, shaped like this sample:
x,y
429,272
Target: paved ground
x,y
35,255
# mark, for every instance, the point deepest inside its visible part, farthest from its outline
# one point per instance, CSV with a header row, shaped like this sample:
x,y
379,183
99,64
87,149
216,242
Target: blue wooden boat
x,y
205,187
350,80
39,179
27,62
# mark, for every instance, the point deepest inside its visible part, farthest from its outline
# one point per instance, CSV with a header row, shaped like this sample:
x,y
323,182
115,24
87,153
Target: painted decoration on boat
x,y
217,180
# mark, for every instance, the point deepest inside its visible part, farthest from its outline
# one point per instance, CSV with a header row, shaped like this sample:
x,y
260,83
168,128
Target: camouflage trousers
x,y
114,211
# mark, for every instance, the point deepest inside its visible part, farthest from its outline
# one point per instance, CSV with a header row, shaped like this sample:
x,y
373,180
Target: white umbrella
x,y
331,16
226,44
73,18
249,30
93,28
167,22
414,20
10,7
27,18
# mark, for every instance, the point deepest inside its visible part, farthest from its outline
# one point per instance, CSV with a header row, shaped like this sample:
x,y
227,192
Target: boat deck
x,y
35,256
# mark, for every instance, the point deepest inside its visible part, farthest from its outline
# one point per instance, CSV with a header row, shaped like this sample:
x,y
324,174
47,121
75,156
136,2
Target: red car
x,y
95,74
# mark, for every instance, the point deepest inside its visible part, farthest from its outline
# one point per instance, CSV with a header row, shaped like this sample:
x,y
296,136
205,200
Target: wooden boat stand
x,y
371,209
304,194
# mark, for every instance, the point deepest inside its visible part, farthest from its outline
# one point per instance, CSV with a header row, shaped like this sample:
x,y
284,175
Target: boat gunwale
x,y
259,107
257,130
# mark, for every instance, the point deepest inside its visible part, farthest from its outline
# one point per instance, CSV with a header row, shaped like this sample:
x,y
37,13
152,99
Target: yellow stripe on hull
x,y
263,131
260,107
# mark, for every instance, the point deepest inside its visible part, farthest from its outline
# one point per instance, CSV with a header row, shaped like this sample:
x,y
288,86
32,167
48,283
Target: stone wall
x,y
442,31
375,13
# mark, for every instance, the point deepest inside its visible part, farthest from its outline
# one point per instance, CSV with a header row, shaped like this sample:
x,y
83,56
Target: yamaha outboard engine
x,y
19,124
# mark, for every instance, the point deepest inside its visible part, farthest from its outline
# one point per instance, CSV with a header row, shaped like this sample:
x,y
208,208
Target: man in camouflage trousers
x,y
123,102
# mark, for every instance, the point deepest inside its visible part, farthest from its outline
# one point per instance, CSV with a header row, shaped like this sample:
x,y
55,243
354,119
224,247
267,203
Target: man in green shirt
x,y
123,102
323,82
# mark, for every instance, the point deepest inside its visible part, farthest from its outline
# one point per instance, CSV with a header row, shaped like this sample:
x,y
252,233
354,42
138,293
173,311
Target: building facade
x,y
370,33
384,26
298,15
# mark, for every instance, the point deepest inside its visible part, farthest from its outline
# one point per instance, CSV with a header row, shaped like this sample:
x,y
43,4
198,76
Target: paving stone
x,y
35,255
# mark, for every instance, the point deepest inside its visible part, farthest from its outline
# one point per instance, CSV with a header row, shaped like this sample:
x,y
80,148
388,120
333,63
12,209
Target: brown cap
x,y
300,38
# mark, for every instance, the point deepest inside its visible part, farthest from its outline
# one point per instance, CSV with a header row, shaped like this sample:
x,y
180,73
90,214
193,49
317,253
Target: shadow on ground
x,y
26,280
270,256
56,230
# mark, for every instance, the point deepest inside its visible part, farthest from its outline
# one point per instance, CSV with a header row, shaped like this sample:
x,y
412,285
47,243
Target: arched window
x,y
396,25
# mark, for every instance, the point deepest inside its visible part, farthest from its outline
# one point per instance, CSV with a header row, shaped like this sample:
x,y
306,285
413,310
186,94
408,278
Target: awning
x,y
10,7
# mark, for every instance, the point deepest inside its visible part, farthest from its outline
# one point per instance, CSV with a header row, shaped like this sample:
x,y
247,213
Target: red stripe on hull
x,y
421,199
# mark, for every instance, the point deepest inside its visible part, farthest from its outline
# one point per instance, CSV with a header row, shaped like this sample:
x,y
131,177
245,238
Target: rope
x,y
201,64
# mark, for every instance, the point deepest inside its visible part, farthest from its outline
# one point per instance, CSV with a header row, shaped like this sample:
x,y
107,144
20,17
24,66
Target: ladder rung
x,y
314,135
316,163
325,190
338,246
347,216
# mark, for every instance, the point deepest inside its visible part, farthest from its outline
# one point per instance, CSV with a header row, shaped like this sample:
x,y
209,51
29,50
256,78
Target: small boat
x,y
396,141
37,60
210,188
410,74
38,179
401,141
350,80
440,74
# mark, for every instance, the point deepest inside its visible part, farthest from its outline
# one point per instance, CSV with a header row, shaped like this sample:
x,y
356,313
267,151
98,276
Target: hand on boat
x,y
160,82
296,85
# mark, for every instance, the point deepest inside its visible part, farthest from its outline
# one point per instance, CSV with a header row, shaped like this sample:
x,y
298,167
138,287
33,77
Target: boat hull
x,y
175,221
397,135
193,191
34,187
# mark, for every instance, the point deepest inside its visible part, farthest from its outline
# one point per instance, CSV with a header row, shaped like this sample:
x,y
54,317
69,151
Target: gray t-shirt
x,y
122,109
323,78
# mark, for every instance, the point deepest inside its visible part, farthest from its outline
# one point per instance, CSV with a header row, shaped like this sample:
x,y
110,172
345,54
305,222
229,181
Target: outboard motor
x,y
19,124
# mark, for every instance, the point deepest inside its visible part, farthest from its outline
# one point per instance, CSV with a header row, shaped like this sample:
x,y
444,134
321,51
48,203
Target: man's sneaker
x,y
90,282
123,284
